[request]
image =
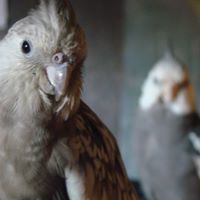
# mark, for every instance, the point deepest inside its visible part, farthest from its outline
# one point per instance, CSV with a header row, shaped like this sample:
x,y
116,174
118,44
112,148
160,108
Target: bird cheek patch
x,y
57,75
170,94
175,91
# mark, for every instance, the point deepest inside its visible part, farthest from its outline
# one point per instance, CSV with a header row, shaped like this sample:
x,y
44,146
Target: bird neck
x,y
148,99
23,123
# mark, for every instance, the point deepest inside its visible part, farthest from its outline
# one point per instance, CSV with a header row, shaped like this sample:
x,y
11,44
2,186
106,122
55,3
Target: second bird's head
x,y
168,84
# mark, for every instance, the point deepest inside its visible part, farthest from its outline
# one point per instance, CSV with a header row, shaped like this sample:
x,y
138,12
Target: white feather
x,y
169,72
195,141
75,184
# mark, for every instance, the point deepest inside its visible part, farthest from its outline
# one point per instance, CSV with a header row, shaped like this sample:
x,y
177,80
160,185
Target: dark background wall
x,y
103,22
125,38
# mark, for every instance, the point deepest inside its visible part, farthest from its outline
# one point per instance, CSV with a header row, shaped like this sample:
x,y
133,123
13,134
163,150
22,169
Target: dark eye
x,y
26,47
156,81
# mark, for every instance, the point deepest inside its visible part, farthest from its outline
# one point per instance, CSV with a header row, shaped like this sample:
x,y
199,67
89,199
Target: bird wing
x,y
194,138
194,146
88,156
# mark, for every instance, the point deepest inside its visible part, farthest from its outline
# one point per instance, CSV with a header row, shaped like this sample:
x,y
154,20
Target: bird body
x,y
52,146
95,154
82,154
166,167
162,128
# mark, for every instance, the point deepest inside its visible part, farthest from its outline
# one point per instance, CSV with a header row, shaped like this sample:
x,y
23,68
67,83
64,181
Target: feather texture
x,y
49,146
94,151
161,145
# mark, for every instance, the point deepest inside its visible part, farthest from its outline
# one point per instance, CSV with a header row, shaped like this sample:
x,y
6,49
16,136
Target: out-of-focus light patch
x,y
3,14
196,7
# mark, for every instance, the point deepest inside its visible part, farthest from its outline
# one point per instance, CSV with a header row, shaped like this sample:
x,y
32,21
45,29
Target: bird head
x,y
168,83
41,59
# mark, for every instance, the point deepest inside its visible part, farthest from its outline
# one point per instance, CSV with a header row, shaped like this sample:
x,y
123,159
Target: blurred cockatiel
x,y
164,119
51,143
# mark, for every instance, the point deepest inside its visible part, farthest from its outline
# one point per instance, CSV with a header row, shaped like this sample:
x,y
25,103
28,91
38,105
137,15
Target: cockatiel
x,y
165,117
51,143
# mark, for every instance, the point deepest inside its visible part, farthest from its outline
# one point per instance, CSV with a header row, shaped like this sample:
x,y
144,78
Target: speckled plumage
x,y
94,151
52,145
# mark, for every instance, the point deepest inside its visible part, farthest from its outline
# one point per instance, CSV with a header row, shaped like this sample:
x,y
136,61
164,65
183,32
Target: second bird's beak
x,y
57,74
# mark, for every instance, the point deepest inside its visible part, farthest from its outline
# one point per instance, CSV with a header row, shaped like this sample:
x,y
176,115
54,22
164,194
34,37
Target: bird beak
x,y
57,75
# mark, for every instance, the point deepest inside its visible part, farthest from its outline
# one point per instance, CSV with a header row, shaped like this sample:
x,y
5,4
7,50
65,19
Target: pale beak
x,y
57,74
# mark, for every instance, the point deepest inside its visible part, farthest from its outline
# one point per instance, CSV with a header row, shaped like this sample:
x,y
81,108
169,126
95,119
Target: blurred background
x,y
125,38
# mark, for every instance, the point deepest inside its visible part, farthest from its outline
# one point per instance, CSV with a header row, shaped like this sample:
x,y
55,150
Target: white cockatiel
x,y
51,143
164,119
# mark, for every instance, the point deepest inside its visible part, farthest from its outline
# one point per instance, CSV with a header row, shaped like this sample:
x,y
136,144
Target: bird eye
x,y
26,47
156,81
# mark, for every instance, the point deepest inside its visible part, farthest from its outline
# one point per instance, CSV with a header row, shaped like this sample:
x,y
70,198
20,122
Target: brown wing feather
x,y
95,151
